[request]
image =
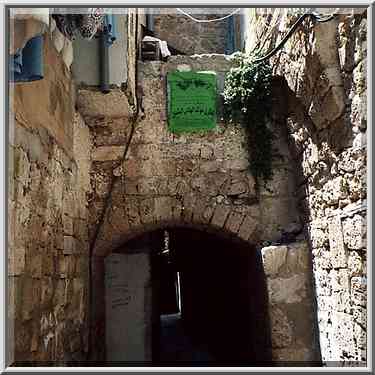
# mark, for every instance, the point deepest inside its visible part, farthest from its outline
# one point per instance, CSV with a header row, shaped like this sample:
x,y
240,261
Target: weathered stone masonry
x,y
325,69
199,181
63,160
49,159
187,36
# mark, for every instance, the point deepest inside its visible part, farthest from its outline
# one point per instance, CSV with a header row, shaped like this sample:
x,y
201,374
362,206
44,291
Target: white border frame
x,y
198,3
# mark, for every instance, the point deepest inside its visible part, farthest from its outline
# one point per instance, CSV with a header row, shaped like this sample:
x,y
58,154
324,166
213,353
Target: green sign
x,y
191,101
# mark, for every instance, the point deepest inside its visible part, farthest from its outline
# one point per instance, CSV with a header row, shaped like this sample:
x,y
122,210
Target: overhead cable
x,y
207,21
294,27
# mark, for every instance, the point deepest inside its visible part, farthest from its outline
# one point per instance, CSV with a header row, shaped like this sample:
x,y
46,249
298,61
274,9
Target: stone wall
x,y
290,295
188,36
200,179
109,118
49,159
325,67
188,180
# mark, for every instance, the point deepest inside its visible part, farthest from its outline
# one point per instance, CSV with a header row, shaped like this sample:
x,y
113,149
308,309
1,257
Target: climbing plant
x,y
247,100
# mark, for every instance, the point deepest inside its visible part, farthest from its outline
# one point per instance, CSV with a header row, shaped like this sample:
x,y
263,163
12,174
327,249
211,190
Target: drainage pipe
x,y
104,64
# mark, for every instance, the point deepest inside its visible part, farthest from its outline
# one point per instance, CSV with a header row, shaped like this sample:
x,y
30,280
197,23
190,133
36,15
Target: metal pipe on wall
x,y
104,64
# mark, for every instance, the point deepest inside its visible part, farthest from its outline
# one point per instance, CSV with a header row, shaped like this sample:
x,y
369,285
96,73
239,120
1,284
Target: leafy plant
x,y
247,100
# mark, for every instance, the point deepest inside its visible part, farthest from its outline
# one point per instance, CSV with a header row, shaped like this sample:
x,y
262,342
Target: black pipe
x,y
104,64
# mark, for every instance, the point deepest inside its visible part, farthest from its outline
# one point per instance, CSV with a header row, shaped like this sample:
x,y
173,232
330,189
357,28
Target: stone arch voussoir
x,y
134,216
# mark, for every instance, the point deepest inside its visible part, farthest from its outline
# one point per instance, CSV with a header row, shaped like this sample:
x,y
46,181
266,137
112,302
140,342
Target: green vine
x,y
247,100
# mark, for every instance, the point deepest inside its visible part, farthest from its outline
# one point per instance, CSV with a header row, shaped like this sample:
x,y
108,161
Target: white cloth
x,y
67,53
162,44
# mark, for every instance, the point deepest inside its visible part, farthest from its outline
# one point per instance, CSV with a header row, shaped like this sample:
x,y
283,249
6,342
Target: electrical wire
x,y
316,16
211,20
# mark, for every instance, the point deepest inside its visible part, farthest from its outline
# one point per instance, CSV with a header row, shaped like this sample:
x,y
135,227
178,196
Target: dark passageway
x,y
208,300
223,317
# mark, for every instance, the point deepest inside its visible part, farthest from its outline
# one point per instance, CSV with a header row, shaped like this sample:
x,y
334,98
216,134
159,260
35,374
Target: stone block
x,y
287,290
206,152
325,303
80,230
249,228
347,161
69,203
200,184
358,291
358,111
131,186
188,206
148,185
16,261
31,294
147,210
336,243
92,103
236,187
177,212
69,245
47,291
34,264
335,190
360,336
35,177
355,231
278,185
210,166
298,259
355,264
340,280
274,257
81,266
323,283
68,225
58,240
300,355
107,153
321,259
21,167
207,213
163,208
240,164
281,328
69,294
22,339
34,342
66,266
48,264
360,315
341,301
220,215
234,222
343,334
14,297
132,212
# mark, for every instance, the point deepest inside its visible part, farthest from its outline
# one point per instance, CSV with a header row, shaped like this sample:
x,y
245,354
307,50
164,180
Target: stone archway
x,y
118,228
222,319
286,269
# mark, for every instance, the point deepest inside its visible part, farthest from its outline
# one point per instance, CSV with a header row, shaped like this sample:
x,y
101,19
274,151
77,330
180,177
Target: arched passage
x,y
223,317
